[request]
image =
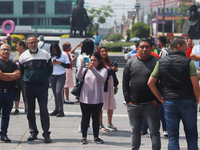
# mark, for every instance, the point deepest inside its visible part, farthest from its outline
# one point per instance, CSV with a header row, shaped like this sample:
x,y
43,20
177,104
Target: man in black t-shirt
x,y
8,74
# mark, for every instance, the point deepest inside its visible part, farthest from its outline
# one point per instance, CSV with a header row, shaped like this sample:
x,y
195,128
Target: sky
x,y
120,7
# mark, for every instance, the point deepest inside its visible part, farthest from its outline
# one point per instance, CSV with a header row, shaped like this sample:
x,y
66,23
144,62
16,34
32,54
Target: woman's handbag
x,y
77,88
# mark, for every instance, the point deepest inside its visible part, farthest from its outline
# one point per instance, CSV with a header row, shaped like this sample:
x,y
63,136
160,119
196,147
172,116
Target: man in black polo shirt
x,y
8,74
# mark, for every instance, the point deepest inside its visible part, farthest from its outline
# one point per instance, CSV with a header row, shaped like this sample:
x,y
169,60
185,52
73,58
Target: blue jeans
x,y
6,104
162,119
152,116
186,110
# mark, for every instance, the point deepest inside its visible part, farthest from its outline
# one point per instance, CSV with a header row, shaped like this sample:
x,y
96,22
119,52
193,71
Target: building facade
x,y
48,17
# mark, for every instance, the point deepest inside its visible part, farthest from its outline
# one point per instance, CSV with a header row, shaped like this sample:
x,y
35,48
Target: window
x,y
4,19
63,7
6,7
168,26
28,21
29,7
60,21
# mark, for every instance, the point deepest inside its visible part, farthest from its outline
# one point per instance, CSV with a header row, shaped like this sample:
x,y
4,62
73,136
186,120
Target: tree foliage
x,y
140,30
98,16
184,11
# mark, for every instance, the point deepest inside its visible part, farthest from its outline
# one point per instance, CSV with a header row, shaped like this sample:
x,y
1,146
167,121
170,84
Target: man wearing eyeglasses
x,y
9,72
36,67
141,102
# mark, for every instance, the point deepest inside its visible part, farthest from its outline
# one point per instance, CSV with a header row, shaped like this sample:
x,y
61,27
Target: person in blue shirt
x,y
97,39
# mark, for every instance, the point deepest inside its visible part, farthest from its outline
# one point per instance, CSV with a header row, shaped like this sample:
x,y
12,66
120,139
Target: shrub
x,y
117,47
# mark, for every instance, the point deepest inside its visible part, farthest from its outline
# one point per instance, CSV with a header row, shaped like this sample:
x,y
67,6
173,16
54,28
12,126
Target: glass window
x,y
28,21
29,6
60,21
63,7
6,7
4,19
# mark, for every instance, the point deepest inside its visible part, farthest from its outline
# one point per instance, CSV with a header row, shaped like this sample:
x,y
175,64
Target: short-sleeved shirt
x,y
155,72
7,67
58,69
97,40
196,50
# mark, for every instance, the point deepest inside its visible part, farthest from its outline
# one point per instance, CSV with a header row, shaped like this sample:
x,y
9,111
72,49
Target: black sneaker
x,y
84,141
68,102
16,112
60,114
54,113
98,141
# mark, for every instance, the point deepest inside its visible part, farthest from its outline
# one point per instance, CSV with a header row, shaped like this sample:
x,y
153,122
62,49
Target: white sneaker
x,y
90,131
124,102
145,135
79,128
165,133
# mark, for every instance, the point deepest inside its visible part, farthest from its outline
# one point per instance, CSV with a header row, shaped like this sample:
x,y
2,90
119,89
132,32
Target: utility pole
x,y
163,25
194,2
35,16
151,19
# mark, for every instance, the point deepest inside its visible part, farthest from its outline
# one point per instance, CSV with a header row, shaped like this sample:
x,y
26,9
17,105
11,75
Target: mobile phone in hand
x,y
86,60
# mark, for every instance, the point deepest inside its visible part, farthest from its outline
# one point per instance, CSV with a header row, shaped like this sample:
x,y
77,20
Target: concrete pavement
x,y
65,134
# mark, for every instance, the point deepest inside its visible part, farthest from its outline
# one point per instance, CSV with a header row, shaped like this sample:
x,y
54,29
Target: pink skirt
x,y
69,82
109,100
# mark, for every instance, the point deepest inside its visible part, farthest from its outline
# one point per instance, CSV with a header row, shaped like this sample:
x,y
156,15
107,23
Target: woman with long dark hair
x,y
91,97
60,61
110,84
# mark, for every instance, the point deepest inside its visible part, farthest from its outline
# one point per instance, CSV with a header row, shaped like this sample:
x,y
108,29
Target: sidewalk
x,y
64,130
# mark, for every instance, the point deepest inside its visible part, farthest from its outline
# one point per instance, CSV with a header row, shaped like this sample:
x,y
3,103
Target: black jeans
x,y
87,111
39,91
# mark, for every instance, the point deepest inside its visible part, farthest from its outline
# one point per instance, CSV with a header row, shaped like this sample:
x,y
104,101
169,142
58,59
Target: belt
x,y
6,90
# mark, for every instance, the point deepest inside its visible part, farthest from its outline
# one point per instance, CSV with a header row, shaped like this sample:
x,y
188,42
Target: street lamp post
x,y
35,16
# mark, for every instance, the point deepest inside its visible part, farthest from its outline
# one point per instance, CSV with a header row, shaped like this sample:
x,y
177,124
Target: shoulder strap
x,y
84,75
42,46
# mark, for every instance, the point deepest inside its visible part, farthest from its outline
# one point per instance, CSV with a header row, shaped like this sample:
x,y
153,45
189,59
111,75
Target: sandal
x,y
103,129
111,127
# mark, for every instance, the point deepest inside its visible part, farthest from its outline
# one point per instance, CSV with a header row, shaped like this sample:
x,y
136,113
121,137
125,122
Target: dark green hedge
x,y
117,47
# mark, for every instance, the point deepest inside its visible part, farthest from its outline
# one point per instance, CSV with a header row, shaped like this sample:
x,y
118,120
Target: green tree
x,y
184,12
99,15
140,30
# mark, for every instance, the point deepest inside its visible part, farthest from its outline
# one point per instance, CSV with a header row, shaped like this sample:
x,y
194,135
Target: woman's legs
x,y
109,114
67,93
96,109
85,109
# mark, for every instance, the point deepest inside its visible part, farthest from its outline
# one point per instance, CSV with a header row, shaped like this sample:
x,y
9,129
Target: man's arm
x,y
152,85
194,56
195,84
10,76
125,84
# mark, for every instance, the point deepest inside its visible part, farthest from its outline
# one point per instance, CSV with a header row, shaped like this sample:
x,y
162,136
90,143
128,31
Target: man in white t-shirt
x,y
42,44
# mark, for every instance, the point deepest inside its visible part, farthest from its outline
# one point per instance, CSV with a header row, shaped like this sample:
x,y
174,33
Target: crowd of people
x,y
159,85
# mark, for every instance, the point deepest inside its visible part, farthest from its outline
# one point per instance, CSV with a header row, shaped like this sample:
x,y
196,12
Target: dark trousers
x,y
6,104
87,111
39,91
57,84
